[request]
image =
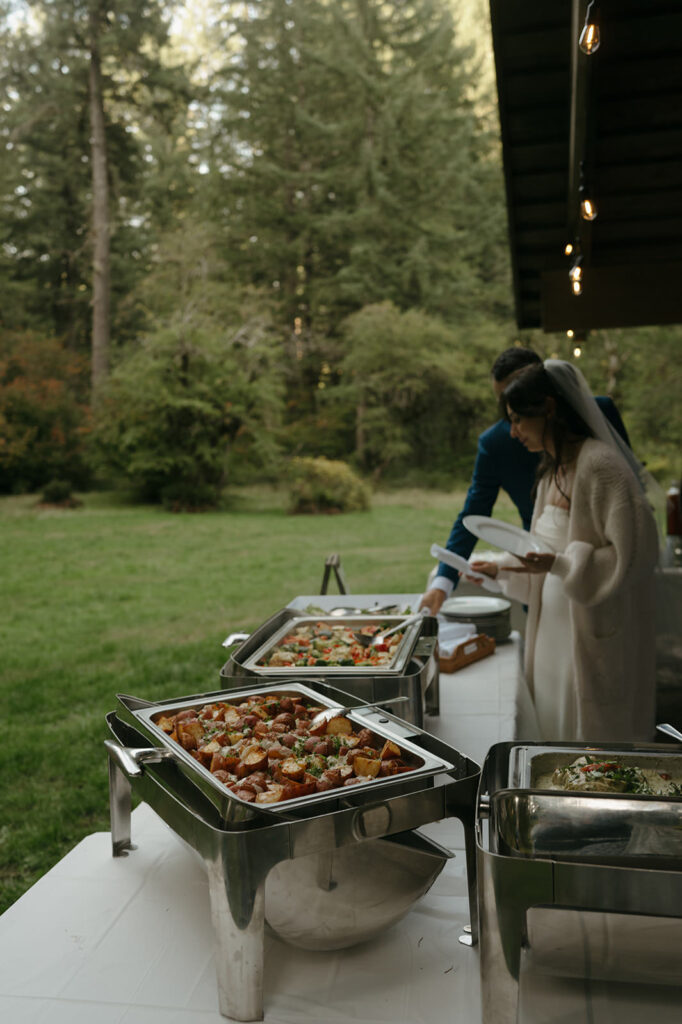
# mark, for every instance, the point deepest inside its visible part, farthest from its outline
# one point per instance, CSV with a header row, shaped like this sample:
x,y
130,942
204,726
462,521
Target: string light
x,y
577,351
588,209
570,333
568,249
590,38
575,275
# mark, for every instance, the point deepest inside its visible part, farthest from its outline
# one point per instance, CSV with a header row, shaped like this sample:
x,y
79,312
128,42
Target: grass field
x,y
114,598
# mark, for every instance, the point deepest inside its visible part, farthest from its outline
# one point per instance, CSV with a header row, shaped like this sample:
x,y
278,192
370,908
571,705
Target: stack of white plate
x,y
490,615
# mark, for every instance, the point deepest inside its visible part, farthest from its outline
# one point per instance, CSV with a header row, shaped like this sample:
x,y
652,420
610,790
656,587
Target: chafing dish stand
x,y
600,852
238,859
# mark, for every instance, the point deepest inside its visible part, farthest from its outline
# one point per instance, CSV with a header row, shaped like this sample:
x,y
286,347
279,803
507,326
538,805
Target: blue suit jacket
x,y
502,461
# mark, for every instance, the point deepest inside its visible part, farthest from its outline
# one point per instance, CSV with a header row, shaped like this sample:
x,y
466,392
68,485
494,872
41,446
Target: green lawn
x,y
117,598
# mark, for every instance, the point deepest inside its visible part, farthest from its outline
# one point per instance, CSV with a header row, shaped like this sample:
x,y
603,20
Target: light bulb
x,y
576,271
588,209
577,287
577,351
568,249
569,334
589,37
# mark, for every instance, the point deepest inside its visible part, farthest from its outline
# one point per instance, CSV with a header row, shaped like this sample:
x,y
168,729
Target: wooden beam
x,y
632,295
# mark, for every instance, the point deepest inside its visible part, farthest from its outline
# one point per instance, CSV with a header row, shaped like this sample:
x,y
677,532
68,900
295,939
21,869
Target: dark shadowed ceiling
x,y
610,122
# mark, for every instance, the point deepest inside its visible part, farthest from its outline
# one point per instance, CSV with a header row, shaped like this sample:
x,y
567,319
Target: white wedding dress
x,y
554,692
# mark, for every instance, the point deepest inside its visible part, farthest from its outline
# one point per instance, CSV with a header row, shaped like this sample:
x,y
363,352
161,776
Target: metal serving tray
x,y
141,715
395,667
532,767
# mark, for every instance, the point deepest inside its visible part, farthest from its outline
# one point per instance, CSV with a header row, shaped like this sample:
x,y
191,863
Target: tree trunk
x,y
100,219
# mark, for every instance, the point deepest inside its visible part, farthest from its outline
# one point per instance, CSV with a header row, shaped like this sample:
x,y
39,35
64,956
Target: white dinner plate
x,y
506,536
475,607
461,565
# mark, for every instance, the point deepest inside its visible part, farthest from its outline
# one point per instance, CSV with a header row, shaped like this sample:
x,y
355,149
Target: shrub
x,y
57,492
44,417
324,485
175,407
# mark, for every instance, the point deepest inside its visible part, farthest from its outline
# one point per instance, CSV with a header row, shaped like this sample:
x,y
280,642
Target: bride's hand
x,y
534,562
486,568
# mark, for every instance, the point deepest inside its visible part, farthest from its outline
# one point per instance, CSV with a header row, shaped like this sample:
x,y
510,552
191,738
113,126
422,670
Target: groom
x,y
501,461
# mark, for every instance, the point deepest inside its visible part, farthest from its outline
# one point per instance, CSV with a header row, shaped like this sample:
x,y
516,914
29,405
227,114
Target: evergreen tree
x,y
81,90
354,168
351,168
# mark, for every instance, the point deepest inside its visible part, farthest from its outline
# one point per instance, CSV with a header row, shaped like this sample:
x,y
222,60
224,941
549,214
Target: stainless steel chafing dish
x,y
541,851
261,864
413,674
397,663
142,715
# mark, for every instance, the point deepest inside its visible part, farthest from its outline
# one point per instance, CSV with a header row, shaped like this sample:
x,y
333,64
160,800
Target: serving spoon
x,y
327,713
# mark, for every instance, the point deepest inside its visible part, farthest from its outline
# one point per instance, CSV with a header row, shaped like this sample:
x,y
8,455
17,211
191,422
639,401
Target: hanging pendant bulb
x,y
577,288
568,249
589,37
588,208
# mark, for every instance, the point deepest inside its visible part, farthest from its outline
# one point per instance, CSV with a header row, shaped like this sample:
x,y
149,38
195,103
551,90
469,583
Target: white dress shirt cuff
x,y
443,583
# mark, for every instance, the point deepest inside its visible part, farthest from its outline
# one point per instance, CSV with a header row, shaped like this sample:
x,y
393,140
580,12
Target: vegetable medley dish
x,y
265,749
593,775
333,644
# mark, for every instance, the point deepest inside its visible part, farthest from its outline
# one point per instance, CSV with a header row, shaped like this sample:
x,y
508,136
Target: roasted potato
x,y
189,733
366,767
390,750
292,769
339,726
272,795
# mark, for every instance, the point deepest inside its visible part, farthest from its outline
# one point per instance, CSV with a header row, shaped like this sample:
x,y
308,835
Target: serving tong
x,y
372,639
327,713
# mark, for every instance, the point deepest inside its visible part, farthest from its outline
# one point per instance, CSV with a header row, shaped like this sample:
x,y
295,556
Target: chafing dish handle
x,y
235,638
131,759
126,763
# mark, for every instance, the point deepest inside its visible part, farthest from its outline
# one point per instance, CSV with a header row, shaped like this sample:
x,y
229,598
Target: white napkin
x,y
463,566
450,634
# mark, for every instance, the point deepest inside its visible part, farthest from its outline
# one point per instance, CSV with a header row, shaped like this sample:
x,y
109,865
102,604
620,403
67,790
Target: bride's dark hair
x,y
526,394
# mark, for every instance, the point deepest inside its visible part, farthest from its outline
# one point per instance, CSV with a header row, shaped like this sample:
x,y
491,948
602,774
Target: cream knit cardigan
x,y
608,573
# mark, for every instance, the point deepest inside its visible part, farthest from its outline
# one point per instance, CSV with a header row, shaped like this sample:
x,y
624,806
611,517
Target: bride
x,y
589,654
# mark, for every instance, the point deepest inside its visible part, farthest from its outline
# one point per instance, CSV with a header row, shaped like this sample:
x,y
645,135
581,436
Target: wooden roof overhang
x,y
609,123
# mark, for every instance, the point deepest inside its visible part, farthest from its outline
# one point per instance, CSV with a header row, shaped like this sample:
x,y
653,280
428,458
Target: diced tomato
x,y
601,766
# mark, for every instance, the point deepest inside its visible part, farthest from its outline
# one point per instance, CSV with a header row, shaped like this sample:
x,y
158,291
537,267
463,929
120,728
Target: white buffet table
x,y
129,940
